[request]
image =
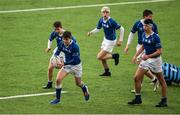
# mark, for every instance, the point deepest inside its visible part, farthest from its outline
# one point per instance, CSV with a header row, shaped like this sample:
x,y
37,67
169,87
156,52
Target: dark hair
x,y
57,24
148,22
67,34
147,12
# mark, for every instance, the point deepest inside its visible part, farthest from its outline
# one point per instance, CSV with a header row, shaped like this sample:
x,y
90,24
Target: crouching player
x,y
150,60
71,65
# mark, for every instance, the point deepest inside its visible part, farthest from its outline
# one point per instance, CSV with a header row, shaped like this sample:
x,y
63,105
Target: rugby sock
x,y
58,93
164,99
138,96
113,56
154,79
84,88
106,70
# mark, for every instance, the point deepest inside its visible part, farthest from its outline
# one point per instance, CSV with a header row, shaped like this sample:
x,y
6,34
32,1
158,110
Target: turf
x,y
23,62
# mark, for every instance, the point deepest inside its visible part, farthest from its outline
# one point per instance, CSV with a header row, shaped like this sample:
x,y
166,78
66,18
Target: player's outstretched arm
x,y
93,31
48,46
130,38
121,36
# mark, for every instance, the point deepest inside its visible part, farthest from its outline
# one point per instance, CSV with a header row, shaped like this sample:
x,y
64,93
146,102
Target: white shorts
x,y
140,55
153,64
75,70
108,45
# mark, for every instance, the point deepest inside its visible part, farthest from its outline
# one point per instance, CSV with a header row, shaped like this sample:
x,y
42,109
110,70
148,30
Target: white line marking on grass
x,y
29,95
82,6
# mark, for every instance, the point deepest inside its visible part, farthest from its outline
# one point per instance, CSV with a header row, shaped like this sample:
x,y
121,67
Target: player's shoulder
x,y
155,35
74,46
101,20
137,22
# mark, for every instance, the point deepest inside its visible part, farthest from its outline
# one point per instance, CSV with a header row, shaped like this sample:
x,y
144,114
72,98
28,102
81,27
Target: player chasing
x,y
71,65
138,27
109,26
55,35
150,60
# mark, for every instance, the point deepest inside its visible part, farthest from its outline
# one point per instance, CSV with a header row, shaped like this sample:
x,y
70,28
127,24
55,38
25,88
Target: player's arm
x,y
155,54
97,29
49,44
56,54
141,49
131,36
121,36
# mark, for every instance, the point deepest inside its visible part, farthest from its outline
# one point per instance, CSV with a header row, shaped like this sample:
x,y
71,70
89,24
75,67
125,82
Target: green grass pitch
x,y
23,62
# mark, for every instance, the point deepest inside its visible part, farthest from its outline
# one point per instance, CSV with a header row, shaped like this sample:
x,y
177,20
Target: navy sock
x,y
113,56
106,70
138,96
84,88
58,93
164,99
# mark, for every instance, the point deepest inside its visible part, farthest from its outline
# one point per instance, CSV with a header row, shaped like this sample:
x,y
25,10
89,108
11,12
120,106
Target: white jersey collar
x,y
106,20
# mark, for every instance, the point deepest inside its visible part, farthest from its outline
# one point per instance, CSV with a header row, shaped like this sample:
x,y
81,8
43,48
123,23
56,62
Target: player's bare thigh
x,y
102,54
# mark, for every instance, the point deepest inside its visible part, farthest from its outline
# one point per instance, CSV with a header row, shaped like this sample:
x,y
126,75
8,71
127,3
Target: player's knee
x,y
136,79
78,84
99,57
58,81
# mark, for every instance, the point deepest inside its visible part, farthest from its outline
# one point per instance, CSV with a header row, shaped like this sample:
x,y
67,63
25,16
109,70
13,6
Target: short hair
x,y
148,22
147,12
105,8
67,34
57,24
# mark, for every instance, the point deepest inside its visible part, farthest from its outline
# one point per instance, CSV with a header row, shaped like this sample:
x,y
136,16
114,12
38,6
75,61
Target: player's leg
x,y
84,87
76,70
163,102
137,81
107,46
100,57
50,75
153,78
60,76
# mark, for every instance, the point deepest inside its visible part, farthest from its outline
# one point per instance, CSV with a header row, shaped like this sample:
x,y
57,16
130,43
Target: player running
x,y
55,35
71,65
109,26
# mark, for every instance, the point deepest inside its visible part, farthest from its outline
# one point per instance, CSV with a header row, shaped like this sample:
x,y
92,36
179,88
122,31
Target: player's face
x,y
148,17
66,41
105,14
147,28
58,29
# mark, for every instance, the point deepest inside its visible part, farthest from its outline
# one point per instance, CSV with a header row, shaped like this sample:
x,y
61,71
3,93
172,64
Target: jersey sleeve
x,y
74,39
157,42
52,36
99,25
59,49
134,28
155,29
115,24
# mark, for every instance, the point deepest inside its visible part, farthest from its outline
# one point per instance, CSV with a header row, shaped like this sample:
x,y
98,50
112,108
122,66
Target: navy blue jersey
x,y
72,53
109,26
138,27
151,43
55,35
58,37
